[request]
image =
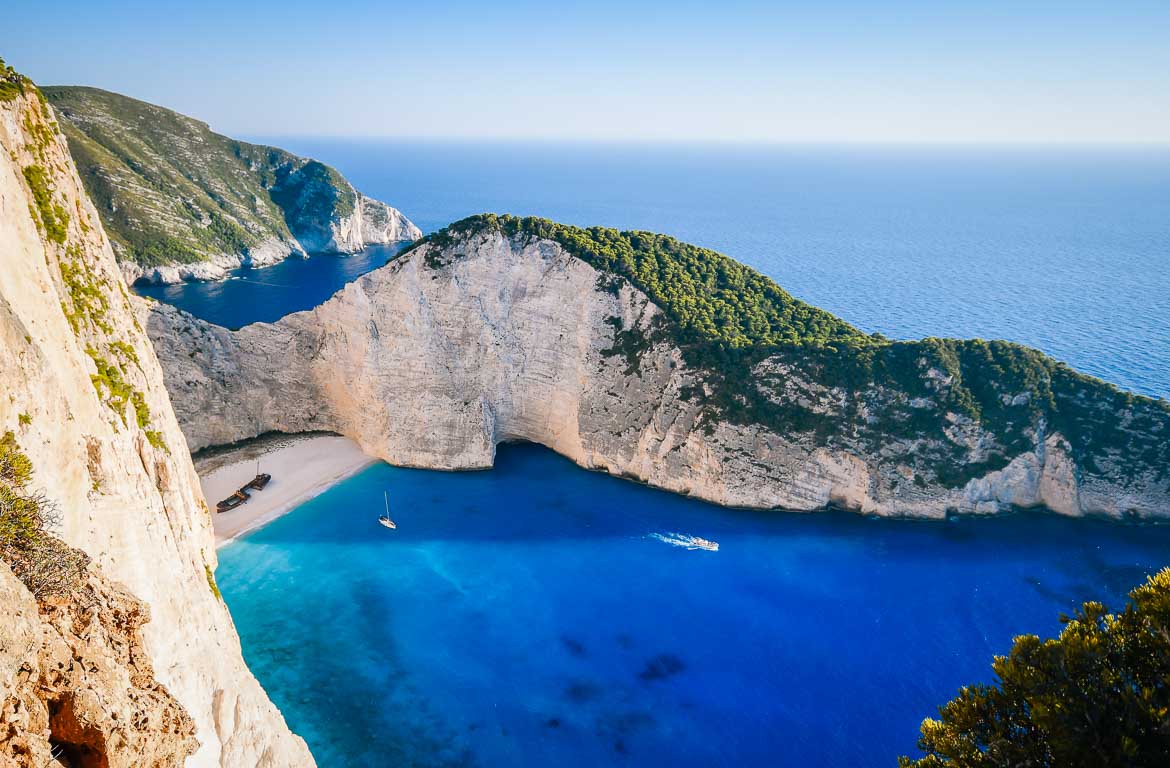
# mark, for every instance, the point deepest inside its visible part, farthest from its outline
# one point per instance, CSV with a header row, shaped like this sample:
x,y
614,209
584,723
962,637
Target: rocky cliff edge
x,y
84,402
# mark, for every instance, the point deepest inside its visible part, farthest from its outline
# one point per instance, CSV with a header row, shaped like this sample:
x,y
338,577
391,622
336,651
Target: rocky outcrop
x,y
84,398
181,202
77,685
473,340
370,222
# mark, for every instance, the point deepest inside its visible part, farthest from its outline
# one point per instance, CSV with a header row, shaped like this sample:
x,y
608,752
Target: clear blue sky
x,y
899,70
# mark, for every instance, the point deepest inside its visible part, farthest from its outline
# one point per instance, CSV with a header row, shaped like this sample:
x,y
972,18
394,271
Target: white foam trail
x,y
685,540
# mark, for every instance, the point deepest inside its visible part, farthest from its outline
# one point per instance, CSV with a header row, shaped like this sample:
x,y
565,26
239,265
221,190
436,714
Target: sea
x,y
537,614
1066,250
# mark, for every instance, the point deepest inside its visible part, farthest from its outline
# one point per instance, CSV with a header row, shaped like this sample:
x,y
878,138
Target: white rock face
x,y
266,253
371,223
433,365
119,471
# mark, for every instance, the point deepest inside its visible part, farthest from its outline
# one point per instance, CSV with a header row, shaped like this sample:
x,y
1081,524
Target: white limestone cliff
x,y
266,253
83,394
436,358
371,223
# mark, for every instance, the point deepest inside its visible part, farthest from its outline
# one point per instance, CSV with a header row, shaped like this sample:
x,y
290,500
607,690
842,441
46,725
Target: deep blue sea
x,y
1064,250
523,617
270,293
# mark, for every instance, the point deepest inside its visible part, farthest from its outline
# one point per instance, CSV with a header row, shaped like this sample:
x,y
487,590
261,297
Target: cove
x,y
524,616
266,294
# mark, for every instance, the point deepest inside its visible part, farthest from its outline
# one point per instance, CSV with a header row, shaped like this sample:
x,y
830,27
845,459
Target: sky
x,y
937,71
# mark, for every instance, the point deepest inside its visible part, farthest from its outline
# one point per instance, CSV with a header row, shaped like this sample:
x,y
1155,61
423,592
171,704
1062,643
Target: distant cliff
x,y
180,202
116,648
656,360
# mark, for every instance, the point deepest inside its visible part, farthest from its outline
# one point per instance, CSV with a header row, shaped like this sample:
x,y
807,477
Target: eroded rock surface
x,y
77,684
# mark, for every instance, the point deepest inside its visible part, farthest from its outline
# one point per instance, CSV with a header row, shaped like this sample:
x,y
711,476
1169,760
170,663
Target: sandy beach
x,y
301,466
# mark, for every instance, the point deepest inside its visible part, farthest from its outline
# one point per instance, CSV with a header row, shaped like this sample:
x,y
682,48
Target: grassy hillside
x,y
748,336
170,190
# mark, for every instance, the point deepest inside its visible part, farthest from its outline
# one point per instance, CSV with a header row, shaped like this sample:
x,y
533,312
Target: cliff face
x,y
85,402
180,202
320,228
78,682
482,336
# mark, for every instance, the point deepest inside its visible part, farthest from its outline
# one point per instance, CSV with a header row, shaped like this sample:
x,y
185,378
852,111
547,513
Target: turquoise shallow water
x,y
522,617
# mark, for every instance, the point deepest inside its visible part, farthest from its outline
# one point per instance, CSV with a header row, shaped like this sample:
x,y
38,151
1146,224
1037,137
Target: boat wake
x,y
686,541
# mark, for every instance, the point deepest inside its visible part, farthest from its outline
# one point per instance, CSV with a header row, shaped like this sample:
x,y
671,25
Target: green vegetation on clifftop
x,y
708,296
752,341
12,83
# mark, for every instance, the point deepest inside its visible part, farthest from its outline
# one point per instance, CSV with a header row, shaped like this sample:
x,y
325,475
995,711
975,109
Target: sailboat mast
x,y
386,498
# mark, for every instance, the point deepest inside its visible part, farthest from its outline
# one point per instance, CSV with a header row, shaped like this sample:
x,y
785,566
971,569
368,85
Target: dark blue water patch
x,y
522,617
269,293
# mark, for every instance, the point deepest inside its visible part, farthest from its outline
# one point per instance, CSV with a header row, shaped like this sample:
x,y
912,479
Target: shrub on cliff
x,y
1097,695
45,564
12,83
708,296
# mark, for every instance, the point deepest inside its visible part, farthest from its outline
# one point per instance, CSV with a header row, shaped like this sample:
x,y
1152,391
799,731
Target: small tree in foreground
x,y
1097,695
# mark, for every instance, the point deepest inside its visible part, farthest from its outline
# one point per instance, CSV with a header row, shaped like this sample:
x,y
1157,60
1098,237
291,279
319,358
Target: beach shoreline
x,y
302,466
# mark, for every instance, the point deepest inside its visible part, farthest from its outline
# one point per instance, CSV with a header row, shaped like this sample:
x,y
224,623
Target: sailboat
x,y
385,519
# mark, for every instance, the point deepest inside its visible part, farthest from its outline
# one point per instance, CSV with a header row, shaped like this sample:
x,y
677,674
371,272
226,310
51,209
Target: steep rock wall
x,y
439,356
84,395
371,222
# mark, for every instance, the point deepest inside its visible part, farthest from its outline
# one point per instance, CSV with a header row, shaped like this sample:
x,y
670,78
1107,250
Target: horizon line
x,y
1156,144
1050,142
